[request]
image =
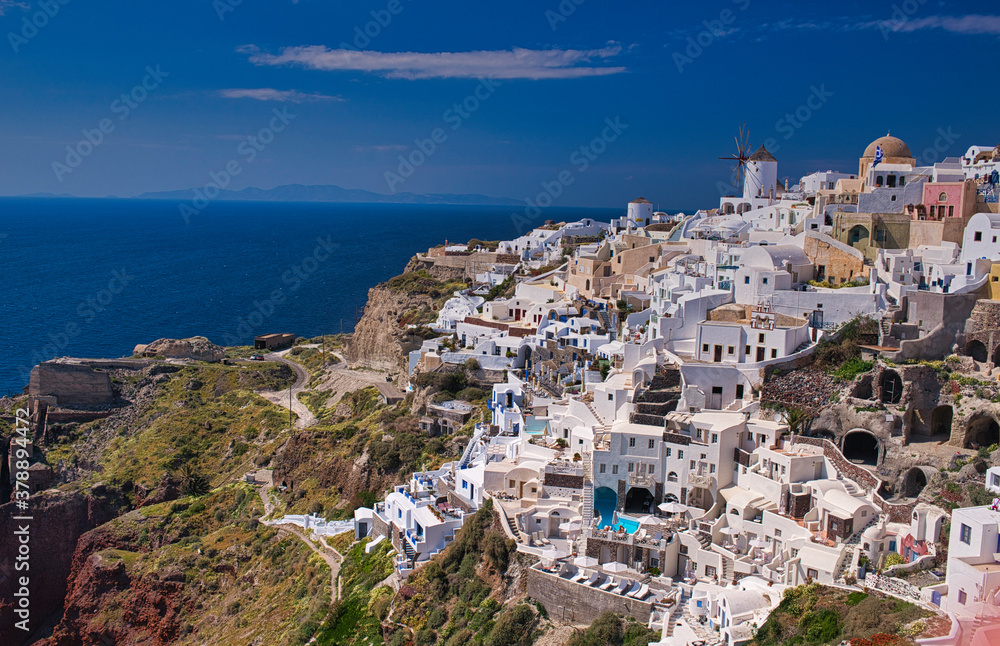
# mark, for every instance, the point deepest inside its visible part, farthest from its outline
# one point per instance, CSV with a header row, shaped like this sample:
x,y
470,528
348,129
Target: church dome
x,y
891,147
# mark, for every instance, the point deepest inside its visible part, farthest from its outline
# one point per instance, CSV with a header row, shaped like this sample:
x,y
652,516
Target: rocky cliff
x,y
59,520
380,341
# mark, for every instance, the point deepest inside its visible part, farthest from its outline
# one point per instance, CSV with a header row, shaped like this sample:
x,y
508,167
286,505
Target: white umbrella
x,y
573,526
672,507
552,554
648,520
729,531
758,543
615,567
585,561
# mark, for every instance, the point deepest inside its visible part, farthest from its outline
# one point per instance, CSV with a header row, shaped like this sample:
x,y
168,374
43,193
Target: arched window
x,y
943,197
734,511
671,477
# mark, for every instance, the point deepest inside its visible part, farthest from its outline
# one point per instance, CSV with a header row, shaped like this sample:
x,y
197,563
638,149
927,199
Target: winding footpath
x,y
333,560
280,397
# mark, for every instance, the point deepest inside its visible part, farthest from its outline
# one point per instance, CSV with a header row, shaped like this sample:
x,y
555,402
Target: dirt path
x,y
281,397
333,560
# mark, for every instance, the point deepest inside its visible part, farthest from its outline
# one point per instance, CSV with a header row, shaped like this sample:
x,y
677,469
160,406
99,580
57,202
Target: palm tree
x,y
797,419
193,482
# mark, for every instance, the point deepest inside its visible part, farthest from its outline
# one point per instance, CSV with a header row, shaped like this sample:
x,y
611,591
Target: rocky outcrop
x,y
149,607
197,347
58,522
379,341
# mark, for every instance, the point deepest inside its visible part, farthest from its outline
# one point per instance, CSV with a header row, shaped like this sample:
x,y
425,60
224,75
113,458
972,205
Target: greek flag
x,y
878,156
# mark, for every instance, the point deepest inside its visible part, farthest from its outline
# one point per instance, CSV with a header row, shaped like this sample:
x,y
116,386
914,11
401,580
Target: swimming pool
x,y
605,501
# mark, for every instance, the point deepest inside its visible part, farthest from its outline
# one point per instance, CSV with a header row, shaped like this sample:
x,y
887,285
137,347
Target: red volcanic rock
x,y
58,521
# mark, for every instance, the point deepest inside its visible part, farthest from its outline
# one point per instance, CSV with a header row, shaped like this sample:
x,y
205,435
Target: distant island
x,y
322,193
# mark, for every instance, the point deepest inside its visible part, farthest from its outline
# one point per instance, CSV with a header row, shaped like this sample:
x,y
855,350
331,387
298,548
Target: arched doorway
x,y
638,500
976,350
700,498
892,387
554,521
941,418
605,502
982,431
858,235
861,447
671,498
914,482
863,388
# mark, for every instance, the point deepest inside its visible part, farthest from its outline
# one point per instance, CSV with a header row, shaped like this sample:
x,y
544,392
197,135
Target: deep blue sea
x,y
95,277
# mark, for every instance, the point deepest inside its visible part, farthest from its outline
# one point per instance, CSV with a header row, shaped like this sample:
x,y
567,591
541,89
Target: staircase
x,y
672,616
704,539
606,320
846,563
885,326
588,490
470,447
590,407
408,549
727,571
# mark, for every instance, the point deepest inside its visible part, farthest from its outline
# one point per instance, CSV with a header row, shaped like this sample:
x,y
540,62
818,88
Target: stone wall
x,y
563,480
985,317
897,513
71,384
579,604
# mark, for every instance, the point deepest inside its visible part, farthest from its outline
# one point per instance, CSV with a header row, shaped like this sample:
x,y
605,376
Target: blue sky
x,y
681,76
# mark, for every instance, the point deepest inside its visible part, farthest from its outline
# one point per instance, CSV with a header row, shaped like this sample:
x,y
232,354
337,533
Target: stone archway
x,y
858,235
981,431
891,386
861,447
976,350
638,500
914,481
941,419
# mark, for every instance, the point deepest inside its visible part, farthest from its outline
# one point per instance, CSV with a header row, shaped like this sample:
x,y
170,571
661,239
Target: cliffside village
x,y
635,445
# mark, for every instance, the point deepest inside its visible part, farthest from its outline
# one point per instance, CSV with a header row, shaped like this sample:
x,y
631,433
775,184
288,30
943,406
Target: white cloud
x,y
270,94
5,5
381,148
897,23
958,25
516,63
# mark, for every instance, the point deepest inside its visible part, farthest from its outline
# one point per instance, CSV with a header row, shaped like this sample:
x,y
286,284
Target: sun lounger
x,y
580,576
641,593
622,587
610,584
592,581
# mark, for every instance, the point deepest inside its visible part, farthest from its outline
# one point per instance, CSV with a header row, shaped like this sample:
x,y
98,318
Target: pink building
x,y
948,199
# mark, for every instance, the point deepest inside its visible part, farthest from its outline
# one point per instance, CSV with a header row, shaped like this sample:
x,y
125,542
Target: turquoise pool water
x,y
605,501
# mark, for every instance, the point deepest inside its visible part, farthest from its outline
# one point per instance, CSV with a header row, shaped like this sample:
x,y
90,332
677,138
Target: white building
x,y
972,586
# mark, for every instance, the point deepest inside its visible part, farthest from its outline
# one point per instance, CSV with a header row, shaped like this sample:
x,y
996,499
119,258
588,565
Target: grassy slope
x,y
812,615
242,581
205,417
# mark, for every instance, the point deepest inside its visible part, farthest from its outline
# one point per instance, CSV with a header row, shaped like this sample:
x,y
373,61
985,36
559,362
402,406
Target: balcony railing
x,y
696,480
641,480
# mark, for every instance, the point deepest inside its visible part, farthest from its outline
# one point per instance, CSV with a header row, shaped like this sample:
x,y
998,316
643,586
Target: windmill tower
x,y
741,157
